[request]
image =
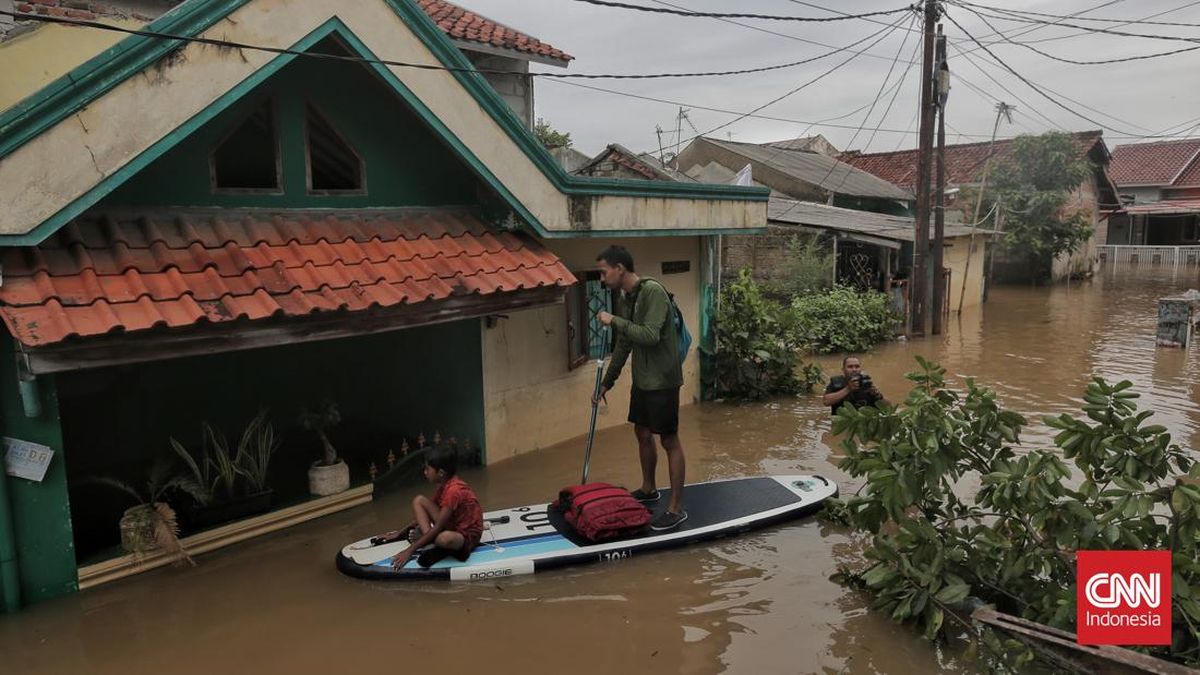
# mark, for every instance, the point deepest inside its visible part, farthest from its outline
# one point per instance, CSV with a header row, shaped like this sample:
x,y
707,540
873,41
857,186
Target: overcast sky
x,y
1140,97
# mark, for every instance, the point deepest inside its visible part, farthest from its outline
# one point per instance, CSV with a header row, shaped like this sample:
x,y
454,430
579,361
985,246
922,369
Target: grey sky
x,y
1148,96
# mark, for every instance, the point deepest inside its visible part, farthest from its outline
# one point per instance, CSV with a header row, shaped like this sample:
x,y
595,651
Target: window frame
x,y
278,147
579,345
311,108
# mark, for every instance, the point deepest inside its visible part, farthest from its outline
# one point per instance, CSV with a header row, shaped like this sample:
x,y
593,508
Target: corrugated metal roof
x,y
136,271
817,169
812,214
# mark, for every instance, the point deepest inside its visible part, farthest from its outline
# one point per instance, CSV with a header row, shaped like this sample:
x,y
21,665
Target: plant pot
x,y
137,529
328,480
232,509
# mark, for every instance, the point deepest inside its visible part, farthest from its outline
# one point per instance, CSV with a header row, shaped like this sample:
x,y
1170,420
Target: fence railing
x,y
1150,256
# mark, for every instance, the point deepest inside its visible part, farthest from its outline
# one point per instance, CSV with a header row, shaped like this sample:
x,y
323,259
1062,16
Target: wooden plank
x,y
214,339
1061,647
226,535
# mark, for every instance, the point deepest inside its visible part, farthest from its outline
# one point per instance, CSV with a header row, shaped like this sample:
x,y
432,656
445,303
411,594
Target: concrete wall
x,y
765,255
955,257
531,398
514,86
1142,195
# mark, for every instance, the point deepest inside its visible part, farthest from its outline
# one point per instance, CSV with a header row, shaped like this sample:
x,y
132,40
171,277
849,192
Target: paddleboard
x,y
534,538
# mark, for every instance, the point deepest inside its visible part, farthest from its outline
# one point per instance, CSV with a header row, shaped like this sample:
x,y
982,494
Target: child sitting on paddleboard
x,y
452,521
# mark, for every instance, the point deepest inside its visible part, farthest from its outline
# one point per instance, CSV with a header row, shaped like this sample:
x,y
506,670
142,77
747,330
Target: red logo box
x,y
1123,597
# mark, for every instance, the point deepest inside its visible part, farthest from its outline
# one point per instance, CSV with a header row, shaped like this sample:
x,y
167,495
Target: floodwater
x,y
761,603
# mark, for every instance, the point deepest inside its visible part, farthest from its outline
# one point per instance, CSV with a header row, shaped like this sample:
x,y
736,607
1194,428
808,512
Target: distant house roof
x,y
812,214
1169,207
816,143
964,162
643,164
1163,163
817,169
465,25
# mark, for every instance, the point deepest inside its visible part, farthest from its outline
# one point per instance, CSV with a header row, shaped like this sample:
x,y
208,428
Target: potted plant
x,y
328,475
232,484
151,523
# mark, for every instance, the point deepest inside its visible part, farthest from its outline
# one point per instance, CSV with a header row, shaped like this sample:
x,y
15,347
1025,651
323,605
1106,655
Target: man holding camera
x,y
852,386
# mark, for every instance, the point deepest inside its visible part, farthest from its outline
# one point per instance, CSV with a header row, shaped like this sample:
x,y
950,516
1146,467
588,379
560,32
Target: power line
x,y
866,117
1048,55
966,55
1034,29
1030,84
788,36
738,15
726,111
421,66
883,34
1089,29
1125,22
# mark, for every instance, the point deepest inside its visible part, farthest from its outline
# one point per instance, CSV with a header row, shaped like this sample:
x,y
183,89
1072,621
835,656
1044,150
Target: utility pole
x,y
918,293
1002,110
942,83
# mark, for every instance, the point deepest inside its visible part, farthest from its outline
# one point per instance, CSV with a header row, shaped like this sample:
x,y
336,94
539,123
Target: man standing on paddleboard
x,y
645,328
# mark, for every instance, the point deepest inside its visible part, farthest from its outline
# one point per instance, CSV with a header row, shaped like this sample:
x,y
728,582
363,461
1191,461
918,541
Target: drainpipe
x,y
10,586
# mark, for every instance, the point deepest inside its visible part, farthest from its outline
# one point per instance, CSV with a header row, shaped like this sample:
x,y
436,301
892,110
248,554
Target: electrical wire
x,y
1089,29
1125,22
1061,59
737,15
420,66
1031,85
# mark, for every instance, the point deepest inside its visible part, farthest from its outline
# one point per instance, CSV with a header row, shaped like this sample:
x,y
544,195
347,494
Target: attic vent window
x,y
334,167
248,158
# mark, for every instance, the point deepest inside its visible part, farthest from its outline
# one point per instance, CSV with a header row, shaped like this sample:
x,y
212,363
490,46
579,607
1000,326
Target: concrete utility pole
x,y
942,84
918,293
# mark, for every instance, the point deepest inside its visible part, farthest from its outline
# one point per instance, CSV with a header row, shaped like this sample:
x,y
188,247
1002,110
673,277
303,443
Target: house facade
x,y
1159,184
196,232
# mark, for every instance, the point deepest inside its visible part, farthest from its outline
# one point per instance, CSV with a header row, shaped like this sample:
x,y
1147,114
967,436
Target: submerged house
x,y
193,232
1095,196
1160,193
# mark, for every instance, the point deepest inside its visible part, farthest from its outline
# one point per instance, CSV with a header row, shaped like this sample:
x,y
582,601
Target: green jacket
x,y
643,325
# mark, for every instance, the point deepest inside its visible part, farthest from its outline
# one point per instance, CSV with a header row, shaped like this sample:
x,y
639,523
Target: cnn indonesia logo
x,y
1124,597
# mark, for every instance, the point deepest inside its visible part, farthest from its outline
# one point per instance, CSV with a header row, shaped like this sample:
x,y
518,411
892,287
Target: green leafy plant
x,y
757,354
151,523
935,540
843,320
255,450
808,269
1034,185
320,420
550,137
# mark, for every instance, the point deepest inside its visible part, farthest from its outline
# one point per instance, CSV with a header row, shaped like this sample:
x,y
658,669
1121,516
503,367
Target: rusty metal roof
x,y
136,271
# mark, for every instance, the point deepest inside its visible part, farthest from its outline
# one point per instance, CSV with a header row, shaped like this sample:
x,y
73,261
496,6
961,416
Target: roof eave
x,y
492,50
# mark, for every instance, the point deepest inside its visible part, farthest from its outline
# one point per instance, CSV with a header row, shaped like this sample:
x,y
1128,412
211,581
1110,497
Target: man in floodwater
x,y
852,386
644,327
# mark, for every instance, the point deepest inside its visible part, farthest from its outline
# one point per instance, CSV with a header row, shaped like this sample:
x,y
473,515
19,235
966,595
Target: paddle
x,y
587,457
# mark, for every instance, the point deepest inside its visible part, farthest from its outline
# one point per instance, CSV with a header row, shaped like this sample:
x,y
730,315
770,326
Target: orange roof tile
x,y
130,272
1158,163
463,24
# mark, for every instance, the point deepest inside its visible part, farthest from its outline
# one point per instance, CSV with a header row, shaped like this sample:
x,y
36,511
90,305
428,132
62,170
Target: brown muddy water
x,y
760,603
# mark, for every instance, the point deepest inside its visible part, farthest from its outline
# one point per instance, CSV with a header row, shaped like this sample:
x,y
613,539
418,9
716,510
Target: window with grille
x,y
585,334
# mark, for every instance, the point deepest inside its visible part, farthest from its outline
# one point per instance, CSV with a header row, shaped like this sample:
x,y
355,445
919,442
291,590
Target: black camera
x,y
864,382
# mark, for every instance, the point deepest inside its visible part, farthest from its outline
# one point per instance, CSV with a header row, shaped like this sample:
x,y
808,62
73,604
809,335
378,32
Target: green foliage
x,y
1034,187
843,319
218,467
809,268
550,137
1013,542
757,354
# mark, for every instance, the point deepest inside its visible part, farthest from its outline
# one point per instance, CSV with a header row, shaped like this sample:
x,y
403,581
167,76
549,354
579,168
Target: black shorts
x,y
656,409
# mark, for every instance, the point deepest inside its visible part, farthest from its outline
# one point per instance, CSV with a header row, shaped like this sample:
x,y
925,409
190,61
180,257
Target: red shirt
x,y
466,517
